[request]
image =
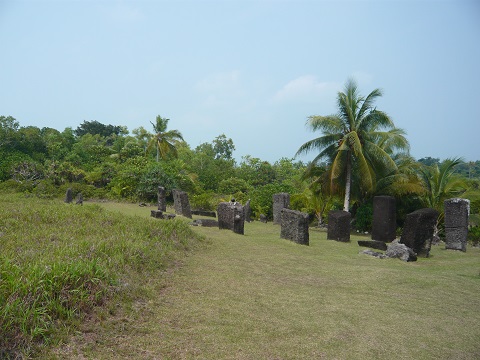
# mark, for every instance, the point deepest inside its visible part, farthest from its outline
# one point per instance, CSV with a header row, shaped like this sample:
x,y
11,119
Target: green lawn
x,y
261,297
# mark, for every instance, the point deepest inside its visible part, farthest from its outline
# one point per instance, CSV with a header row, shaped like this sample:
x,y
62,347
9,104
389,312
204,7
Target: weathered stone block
x,y
280,201
156,214
204,213
69,196
263,218
248,211
418,230
206,222
294,226
339,225
401,251
161,197
456,238
231,216
374,244
456,212
181,203
384,222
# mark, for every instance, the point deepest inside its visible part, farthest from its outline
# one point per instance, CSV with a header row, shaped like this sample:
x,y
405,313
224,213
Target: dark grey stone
x,y
418,230
373,253
79,199
374,244
280,201
384,222
294,226
456,212
263,218
181,203
206,222
339,225
401,251
231,216
156,214
161,196
248,211
456,238
204,213
69,196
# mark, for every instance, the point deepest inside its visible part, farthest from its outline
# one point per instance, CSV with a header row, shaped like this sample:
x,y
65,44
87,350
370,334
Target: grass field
x,y
260,297
257,296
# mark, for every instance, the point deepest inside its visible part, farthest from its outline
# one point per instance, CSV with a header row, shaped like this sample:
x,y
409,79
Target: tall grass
x,y
59,261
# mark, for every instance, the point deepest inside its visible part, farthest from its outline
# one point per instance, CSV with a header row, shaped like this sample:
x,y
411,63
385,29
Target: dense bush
x,y
364,216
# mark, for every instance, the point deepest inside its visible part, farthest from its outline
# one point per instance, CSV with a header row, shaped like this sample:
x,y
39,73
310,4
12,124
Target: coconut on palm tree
x,y
164,140
359,140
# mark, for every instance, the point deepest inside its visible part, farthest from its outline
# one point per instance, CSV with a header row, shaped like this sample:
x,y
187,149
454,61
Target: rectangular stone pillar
x,y
295,226
384,222
162,202
456,223
339,225
181,203
418,230
231,216
280,201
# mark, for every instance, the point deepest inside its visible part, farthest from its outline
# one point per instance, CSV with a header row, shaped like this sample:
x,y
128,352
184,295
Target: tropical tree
x,y
358,140
439,183
164,140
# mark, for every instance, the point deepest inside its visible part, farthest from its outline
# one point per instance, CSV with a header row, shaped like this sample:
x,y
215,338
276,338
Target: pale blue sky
x,y
253,70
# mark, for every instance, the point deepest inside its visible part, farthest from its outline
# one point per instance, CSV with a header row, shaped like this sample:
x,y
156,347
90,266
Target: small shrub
x,y
364,216
474,235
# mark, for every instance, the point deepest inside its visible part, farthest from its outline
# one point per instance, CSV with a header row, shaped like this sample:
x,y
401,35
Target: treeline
x,y
108,162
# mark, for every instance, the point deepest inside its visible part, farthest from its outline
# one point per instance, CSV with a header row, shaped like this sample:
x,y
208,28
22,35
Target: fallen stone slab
x,y
374,244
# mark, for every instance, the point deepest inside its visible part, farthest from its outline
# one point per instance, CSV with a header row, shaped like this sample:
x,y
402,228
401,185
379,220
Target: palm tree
x,y
164,140
358,140
440,183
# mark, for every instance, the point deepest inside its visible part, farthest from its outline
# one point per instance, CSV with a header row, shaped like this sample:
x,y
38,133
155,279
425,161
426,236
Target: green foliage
x,y
96,128
205,201
364,217
262,198
233,185
154,176
474,235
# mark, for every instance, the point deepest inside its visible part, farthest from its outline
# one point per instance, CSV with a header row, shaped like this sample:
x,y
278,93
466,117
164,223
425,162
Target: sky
x,y
252,70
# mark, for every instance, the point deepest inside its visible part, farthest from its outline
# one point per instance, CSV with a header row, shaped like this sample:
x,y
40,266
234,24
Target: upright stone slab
x,y
456,223
181,203
418,230
69,196
339,225
248,211
280,201
295,226
384,223
79,199
231,216
162,201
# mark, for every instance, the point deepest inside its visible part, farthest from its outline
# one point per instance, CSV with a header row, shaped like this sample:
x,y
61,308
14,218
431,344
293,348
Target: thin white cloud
x,y
123,12
220,88
305,88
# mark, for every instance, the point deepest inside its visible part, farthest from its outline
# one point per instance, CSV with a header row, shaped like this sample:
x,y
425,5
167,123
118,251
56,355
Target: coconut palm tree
x,y
164,140
358,140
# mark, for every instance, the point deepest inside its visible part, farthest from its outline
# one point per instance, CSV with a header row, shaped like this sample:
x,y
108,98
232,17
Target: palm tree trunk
x,y
348,181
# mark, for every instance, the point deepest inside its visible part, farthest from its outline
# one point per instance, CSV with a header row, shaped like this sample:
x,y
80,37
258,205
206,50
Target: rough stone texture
x,y
69,196
418,230
231,216
162,201
204,213
79,199
456,238
248,211
280,201
181,203
339,225
161,215
456,212
205,222
384,222
456,223
373,253
374,244
294,226
401,251
263,218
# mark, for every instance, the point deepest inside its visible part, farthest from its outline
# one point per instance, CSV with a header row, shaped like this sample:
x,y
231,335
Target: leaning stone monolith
x,y
161,197
181,203
418,230
280,201
295,226
384,222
